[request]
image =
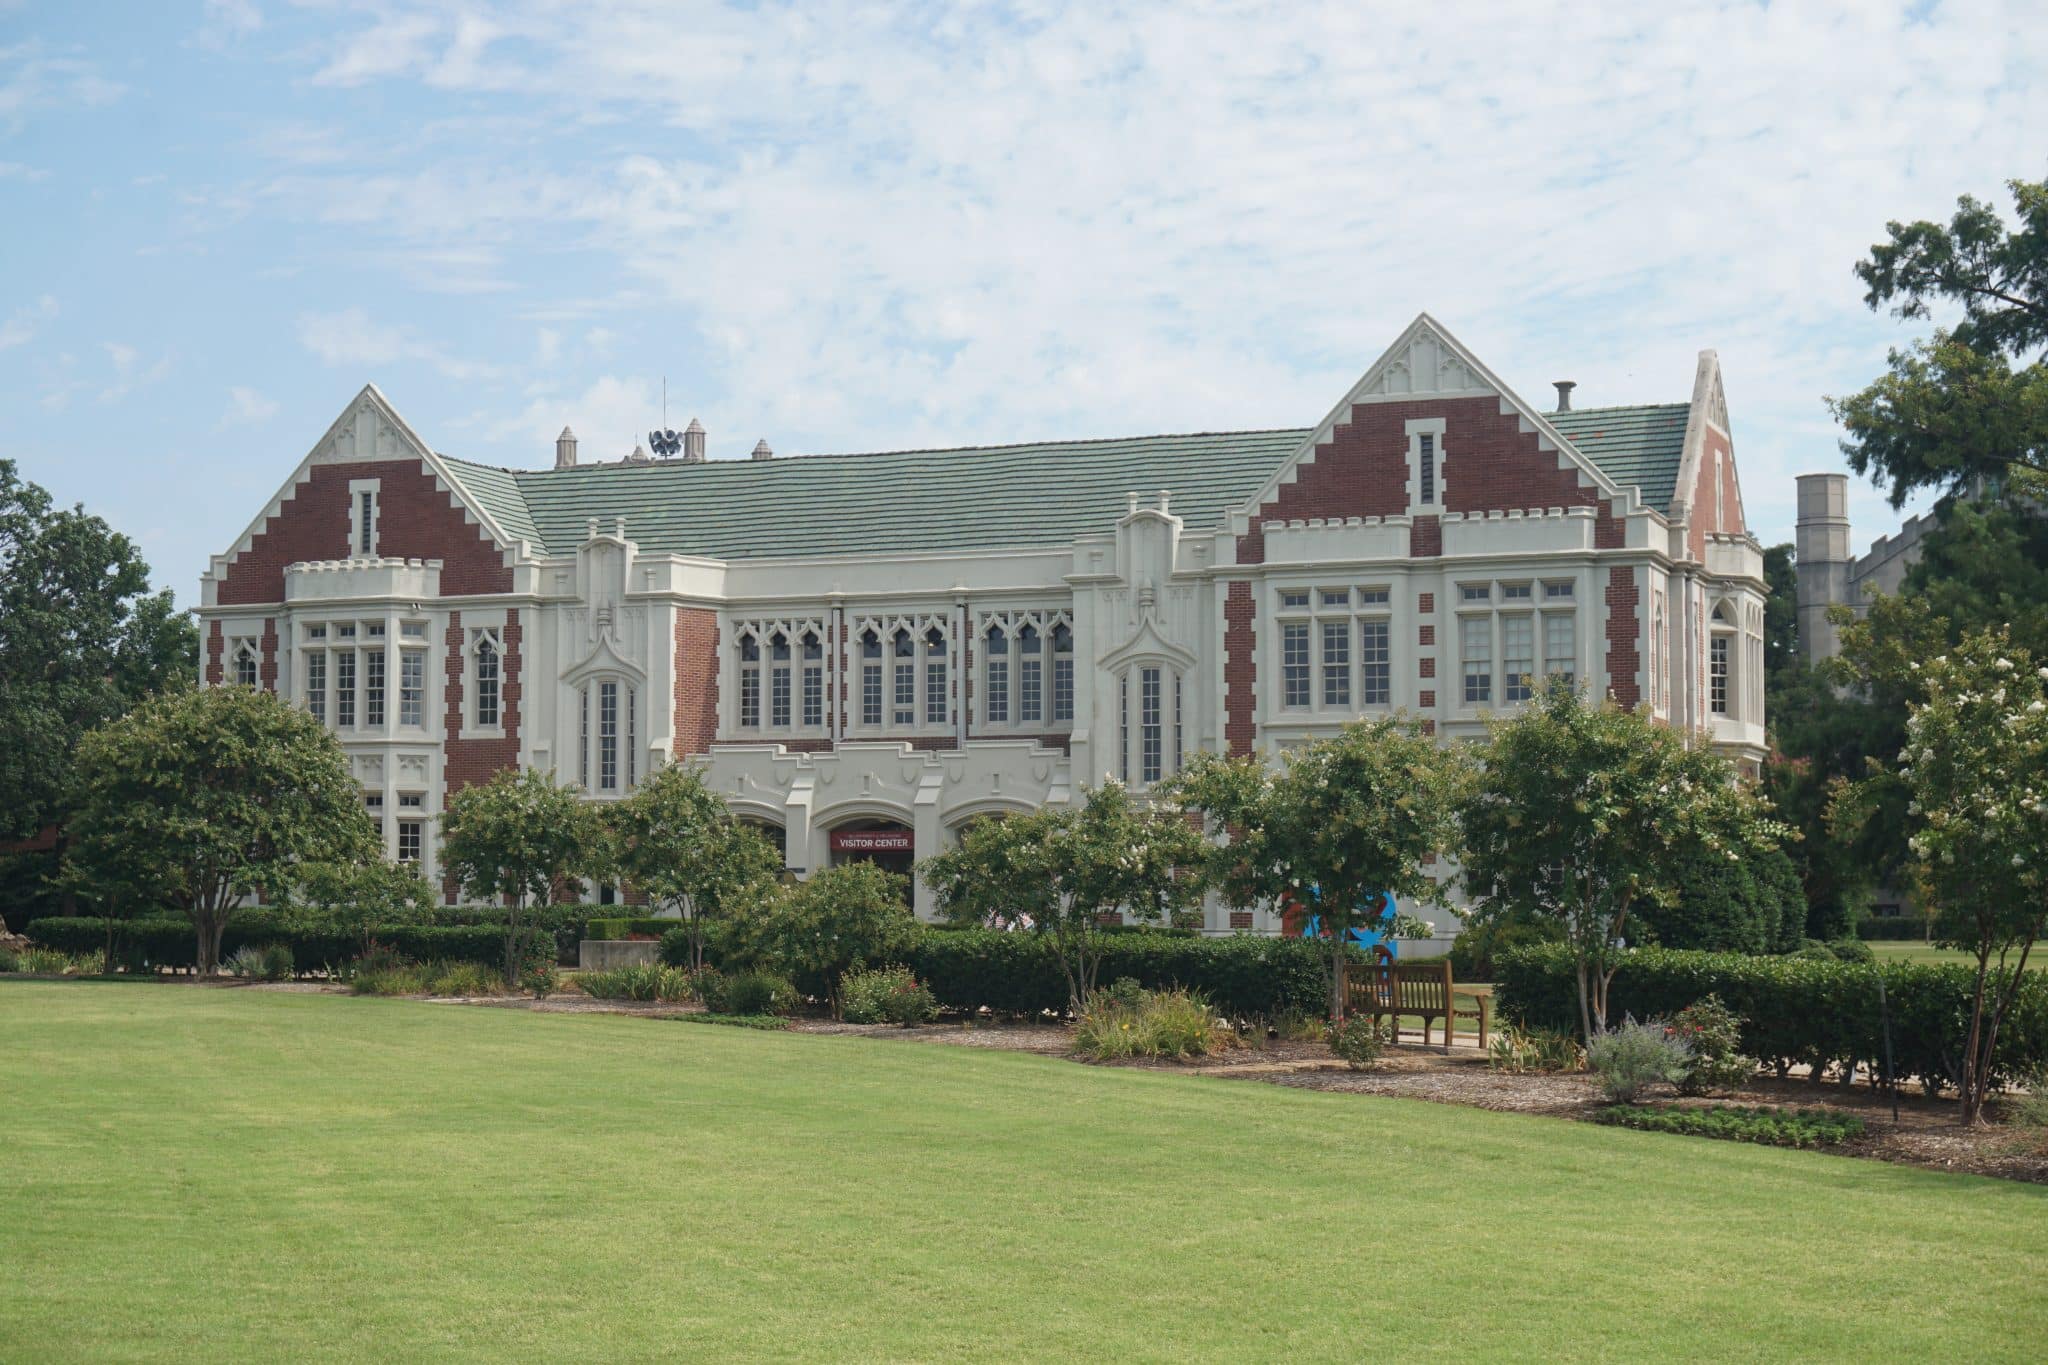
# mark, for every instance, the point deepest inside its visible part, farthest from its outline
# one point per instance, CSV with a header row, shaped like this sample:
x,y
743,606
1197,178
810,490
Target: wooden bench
x,y
1423,990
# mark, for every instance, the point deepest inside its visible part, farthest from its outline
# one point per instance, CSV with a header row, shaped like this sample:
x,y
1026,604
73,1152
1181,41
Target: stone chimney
x,y
1822,561
761,450
693,442
565,449
1564,393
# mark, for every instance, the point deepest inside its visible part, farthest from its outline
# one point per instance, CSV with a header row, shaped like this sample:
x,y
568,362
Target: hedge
x,y
171,942
1018,973
616,927
1795,1010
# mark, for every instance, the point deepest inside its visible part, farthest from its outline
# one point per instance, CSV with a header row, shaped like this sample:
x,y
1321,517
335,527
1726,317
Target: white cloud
x,y
22,324
33,79
129,372
15,170
351,339
247,407
892,228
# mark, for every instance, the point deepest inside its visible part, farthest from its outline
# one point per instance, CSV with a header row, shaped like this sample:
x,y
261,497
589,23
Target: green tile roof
x,y
1632,445
984,497
981,497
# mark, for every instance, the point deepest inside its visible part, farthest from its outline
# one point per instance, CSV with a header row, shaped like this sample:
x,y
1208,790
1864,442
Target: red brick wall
x,y
266,671
1707,514
216,646
1624,654
1490,464
469,761
1240,667
415,520
696,680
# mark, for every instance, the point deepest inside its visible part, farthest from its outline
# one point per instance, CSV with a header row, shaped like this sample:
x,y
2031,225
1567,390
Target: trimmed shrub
x,y
637,926
170,942
1630,1059
886,995
1772,1127
1242,977
1357,1041
1473,951
745,992
1795,1011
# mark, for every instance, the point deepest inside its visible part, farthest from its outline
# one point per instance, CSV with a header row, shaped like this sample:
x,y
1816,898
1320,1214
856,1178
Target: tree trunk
x,y
1973,1071
512,918
1585,1005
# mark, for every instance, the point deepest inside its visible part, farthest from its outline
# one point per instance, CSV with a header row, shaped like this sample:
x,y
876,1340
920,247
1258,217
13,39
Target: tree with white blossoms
x,y
1343,823
1976,766
1585,811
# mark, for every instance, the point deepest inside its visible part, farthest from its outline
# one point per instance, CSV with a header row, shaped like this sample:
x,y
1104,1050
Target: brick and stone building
x,y
866,652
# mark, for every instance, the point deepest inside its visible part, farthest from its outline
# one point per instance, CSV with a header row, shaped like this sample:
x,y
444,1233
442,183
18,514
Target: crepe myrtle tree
x,y
1581,812
1344,823
516,838
1063,873
1976,767
203,798
677,842
359,898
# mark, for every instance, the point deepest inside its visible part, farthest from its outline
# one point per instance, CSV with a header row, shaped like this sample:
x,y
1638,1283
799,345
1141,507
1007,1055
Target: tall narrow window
x,y
814,680
1294,664
935,708
345,688
608,736
1476,636
1717,674
1151,741
408,841
1180,751
870,678
1030,678
245,663
1062,673
1337,664
632,736
1428,467
1123,729
316,684
778,680
583,759
412,687
904,708
1560,646
486,682
1517,656
366,521
997,707
373,686
1375,664
750,683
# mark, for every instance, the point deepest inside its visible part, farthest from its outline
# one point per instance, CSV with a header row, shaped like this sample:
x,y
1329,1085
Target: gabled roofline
x,y
1341,412
373,396
1708,407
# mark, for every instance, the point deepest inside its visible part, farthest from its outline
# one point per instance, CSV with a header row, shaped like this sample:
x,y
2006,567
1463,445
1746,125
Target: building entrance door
x,y
886,844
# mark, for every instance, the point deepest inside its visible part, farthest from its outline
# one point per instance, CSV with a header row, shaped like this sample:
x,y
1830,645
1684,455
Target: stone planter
x,y
603,954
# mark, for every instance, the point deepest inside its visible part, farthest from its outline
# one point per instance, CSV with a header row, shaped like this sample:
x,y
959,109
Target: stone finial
x,y
761,450
693,442
565,449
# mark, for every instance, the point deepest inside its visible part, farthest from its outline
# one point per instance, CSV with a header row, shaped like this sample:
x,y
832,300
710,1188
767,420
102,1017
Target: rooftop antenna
x,y
665,442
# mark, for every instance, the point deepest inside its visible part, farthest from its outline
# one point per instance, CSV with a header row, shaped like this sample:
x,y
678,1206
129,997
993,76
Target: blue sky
x,y
864,227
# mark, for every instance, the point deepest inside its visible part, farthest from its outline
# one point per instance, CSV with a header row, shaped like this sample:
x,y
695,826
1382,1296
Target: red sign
x,y
871,841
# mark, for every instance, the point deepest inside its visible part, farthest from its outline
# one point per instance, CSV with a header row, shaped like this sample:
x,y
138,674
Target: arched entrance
x,y
886,843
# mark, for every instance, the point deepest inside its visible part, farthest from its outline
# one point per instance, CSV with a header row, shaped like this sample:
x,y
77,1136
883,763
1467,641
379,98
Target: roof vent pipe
x,y
693,442
1564,393
761,450
565,449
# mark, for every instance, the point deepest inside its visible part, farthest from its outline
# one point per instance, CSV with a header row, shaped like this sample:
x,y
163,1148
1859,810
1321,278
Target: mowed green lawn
x,y
236,1174
2037,961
